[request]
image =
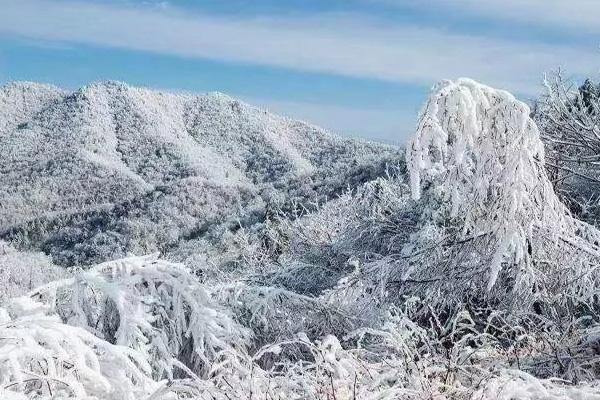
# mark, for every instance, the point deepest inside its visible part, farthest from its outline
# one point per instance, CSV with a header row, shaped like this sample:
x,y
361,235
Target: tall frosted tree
x,y
492,225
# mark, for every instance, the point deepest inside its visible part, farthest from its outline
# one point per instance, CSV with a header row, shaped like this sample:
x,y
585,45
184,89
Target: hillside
x,y
109,169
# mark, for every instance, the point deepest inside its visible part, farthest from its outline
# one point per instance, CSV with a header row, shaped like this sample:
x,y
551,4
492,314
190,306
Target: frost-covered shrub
x,y
41,357
156,308
115,331
515,384
569,118
21,272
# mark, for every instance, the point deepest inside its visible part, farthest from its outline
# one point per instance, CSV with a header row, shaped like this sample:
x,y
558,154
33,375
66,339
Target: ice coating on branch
x,y
478,160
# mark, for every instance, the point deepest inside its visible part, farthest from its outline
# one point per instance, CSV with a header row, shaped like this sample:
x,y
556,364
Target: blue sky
x,y
357,67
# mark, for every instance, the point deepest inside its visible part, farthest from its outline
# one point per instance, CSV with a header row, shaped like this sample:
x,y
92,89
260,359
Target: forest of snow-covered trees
x,y
465,267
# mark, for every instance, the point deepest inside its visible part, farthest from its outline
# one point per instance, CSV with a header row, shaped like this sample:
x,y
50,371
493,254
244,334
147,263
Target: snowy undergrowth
x,y
470,280
54,347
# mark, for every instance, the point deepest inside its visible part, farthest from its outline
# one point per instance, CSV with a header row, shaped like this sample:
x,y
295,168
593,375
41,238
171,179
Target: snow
x,y
163,164
457,274
477,161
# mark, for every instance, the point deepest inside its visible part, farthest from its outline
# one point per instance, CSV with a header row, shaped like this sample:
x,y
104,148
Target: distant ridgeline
x,y
107,170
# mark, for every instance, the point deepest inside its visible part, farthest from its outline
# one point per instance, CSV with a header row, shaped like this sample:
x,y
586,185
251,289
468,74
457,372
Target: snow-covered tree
x,y
492,225
569,120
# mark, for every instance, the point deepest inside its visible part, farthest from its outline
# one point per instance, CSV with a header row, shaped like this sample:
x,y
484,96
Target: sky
x,y
357,67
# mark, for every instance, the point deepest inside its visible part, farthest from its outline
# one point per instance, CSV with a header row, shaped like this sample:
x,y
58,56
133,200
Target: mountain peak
x,y
112,152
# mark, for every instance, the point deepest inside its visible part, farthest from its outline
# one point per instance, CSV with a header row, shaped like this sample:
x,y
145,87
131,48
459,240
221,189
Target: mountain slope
x,y
109,169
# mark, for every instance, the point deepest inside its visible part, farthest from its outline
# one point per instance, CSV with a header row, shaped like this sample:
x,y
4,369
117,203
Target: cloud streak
x,y
575,15
342,44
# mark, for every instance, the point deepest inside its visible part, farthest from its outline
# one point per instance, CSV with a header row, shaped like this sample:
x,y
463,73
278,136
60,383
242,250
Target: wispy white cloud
x,y
575,15
339,44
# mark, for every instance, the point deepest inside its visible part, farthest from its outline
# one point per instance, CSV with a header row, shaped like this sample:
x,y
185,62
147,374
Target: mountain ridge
x,y
66,155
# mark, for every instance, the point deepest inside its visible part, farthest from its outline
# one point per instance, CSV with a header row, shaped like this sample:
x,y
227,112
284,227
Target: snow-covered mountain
x,y
110,169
